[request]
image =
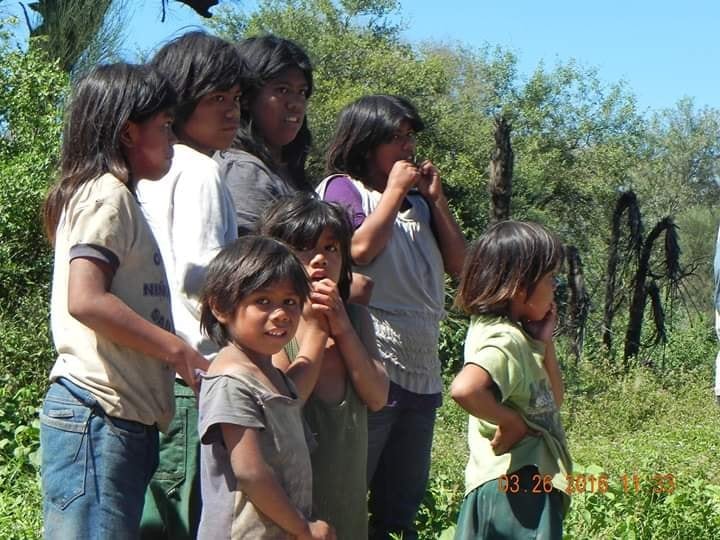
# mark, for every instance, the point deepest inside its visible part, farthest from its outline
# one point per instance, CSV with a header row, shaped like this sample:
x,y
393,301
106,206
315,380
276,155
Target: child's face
x,y
148,146
265,320
214,122
535,306
401,147
279,108
324,259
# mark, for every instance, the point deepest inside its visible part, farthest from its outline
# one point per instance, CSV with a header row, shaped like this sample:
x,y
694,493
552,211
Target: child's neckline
x,y
231,369
238,374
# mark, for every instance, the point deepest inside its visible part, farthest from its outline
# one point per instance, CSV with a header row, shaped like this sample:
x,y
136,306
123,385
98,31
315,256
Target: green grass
x,y
644,423
20,507
20,500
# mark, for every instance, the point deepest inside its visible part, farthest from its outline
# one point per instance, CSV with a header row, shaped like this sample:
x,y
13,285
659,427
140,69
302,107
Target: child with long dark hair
x,y
512,386
267,160
111,386
191,213
256,473
351,379
405,239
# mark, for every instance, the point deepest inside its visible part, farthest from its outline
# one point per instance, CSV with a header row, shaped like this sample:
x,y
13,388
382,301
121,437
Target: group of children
x,y
243,356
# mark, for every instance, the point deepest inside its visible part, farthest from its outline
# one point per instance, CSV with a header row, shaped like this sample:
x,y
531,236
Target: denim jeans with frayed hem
x,y
95,468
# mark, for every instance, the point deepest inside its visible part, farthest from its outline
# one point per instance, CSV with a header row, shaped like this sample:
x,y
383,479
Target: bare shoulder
x,y
231,361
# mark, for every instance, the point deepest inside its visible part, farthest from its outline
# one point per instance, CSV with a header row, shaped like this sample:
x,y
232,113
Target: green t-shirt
x,y
515,362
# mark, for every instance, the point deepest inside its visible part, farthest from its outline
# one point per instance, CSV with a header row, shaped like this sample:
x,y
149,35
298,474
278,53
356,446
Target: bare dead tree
x,y
67,26
501,172
201,7
626,204
642,289
75,29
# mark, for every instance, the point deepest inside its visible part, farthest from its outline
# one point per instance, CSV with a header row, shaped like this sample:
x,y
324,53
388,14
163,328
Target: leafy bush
x,y
32,90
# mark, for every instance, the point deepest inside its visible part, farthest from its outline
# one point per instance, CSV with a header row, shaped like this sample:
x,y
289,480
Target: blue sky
x,y
662,49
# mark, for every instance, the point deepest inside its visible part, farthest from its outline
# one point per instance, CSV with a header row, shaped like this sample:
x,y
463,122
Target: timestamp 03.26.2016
x,y
589,483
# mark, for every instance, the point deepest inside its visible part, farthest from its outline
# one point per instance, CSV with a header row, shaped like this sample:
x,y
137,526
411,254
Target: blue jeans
x,y
399,445
95,468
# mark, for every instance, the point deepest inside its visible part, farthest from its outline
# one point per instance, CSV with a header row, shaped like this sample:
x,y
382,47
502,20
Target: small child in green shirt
x,y
512,386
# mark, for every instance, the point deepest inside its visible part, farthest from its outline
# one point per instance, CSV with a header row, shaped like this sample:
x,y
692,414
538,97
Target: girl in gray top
x,y
270,149
405,240
255,466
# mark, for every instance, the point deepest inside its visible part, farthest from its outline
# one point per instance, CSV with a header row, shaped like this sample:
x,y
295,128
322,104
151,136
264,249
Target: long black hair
x,y
363,126
301,219
102,103
196,64
266,57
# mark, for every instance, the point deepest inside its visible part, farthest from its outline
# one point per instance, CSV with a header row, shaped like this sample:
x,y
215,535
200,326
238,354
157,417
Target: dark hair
x,y
363,126
266,57
102,103
510,255
197,64
248,264
300,220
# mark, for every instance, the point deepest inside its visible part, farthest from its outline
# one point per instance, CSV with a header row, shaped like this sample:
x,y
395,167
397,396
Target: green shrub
x,y
32,90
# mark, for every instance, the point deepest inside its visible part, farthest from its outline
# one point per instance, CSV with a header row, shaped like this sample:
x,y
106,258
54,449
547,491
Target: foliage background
x,y
578,143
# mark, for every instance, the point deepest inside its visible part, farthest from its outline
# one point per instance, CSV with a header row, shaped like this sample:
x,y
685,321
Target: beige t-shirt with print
x,y
104,216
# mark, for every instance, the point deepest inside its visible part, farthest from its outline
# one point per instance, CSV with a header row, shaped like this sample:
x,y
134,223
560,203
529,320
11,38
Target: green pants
x,y
172,501
491,512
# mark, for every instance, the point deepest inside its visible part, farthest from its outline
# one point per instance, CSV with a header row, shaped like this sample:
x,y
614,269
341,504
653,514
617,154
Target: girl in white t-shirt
x,y
112,382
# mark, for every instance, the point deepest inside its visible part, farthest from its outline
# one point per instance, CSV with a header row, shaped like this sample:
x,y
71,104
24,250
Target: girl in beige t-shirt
x,y
110,314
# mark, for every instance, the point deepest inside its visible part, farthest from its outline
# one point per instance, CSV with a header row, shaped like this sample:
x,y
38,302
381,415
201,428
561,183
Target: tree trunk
x,y
501,172
627,201
640,292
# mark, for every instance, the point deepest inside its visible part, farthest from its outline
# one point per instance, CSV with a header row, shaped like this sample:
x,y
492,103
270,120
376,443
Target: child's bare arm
x,y
361,288
368,375
554,374
542,330
257,480
472,389
371,237
361,358
91,302
305,369
450,238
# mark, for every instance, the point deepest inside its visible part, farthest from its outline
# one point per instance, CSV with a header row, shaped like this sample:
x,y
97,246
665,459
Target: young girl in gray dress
x,y
255,466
